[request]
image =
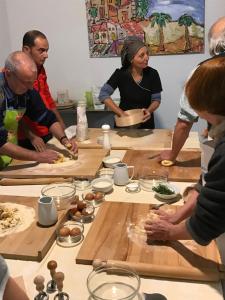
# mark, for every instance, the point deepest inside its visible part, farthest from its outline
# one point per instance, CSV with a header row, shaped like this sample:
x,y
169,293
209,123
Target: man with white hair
x,y
18,98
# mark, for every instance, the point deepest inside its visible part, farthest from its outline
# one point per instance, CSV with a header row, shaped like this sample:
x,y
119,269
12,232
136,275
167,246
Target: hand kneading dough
x,y
166,163
151,216
61,158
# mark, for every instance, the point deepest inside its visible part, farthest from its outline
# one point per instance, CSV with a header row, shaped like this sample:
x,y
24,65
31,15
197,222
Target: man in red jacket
x,y
32,135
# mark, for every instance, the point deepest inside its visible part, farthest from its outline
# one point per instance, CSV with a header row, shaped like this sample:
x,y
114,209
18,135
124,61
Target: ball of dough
x,y
167,163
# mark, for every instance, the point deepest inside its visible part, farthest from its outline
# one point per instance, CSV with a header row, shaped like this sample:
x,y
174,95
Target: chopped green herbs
x,y
163,189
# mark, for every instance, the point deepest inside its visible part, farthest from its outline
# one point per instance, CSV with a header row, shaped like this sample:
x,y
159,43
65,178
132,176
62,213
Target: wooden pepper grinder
x,y
59,277
39,282
51,285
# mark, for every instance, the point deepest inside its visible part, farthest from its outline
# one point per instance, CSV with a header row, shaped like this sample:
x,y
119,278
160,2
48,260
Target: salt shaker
x,y
106,137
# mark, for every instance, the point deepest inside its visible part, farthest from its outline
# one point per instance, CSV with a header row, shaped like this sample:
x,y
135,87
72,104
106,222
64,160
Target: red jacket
x,y
41,86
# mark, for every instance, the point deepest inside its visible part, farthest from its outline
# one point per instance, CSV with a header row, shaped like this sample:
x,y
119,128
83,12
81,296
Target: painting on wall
x,y
166,26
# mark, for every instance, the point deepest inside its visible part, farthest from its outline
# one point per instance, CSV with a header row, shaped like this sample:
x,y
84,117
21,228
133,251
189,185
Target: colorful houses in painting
x,y
111,21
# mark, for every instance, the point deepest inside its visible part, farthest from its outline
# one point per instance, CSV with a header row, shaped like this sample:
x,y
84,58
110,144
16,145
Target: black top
x,y
208,219
136,95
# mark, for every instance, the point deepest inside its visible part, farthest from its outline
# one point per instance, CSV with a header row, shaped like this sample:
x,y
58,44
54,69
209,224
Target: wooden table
x,y
76,275
137,139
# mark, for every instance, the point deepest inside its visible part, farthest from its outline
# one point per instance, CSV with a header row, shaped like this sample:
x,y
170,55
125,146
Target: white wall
x,y
4,33
69,65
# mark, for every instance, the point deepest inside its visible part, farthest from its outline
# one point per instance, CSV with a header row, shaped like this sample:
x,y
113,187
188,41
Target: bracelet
x,y
63,137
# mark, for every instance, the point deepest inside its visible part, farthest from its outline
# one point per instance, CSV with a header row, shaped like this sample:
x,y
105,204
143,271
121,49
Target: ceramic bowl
x,y
106,172
102,184
173,188
62,193
110,161
134,117
114,282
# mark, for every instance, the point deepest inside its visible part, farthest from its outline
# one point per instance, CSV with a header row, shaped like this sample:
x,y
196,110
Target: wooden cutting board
x,y
108,239
186,168
32,243
122,139
86,166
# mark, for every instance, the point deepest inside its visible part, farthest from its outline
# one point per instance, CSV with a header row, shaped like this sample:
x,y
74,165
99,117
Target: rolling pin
x,y
165,270
33,181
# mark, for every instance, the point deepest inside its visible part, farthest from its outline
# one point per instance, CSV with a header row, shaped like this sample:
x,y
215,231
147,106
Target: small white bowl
x,y
110,161
168,197
102,184
106,172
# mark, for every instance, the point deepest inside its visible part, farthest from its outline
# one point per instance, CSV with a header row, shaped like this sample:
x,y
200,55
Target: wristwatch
x,y
63,137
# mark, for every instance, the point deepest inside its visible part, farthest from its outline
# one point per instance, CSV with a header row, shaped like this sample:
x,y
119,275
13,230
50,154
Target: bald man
x,y
18,98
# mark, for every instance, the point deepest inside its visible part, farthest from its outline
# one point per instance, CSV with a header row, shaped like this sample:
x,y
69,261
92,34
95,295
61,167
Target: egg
x,y
75,231
73,210
81,205
78,214
75,200
89,196
64,231
99,196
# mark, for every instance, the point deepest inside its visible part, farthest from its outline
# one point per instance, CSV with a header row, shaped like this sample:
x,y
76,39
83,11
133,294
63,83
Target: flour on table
x,y
15,218
61,162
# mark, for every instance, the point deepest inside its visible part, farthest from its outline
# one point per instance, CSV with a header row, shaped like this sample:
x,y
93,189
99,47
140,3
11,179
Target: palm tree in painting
x,y
160,19
142,8
93,12
186,21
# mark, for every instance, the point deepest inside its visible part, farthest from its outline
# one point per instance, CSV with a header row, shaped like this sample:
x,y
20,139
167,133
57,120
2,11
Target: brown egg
x,y
99,196
78,214
81,205
75,231
73,210
75,200
89,196
64,231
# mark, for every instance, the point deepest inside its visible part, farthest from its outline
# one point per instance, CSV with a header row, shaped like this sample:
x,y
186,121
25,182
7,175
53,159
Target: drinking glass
x,y
149,178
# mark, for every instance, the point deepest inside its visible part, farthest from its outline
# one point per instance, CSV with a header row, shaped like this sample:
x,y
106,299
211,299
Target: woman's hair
x,y
206,87
131,46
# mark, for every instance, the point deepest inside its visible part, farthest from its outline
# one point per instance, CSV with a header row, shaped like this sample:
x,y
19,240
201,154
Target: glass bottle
x,y
82,124
106,138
